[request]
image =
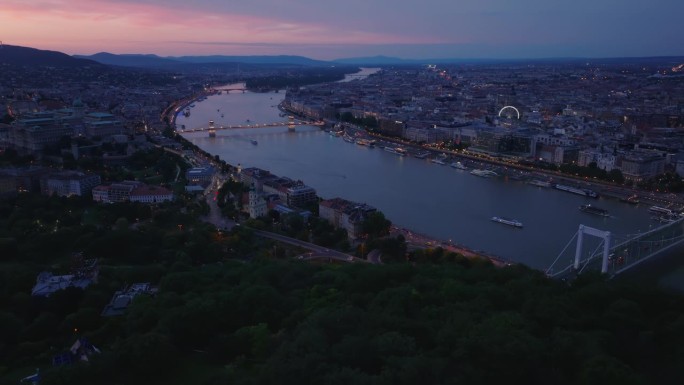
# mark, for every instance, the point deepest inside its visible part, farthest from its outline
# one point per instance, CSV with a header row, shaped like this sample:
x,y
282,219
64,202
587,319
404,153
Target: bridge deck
x,y
236,126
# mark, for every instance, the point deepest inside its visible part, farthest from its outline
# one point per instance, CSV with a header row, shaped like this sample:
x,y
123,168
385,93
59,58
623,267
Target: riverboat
x,y
437,161
458,165
421,155
540,183
660,210
348,138
396,150
508,221
633,199
364,142
575,190
594,210
483,173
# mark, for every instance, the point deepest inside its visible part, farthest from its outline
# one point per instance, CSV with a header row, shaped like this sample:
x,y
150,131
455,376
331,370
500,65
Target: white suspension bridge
x,y
615,253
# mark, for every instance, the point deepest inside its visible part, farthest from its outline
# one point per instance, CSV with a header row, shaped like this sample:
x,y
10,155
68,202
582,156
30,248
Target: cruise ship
x,y
579,191
484,173
458,165
396,150
508,221
594,210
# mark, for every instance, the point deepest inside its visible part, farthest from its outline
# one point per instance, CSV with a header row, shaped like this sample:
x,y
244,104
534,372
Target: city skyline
x,y
492,29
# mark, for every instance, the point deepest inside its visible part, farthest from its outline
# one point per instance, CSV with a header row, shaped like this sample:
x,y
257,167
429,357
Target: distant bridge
x,y
227,90
290,125
625,254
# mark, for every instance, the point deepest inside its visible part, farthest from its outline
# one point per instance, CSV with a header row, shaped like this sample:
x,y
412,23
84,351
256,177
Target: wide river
x,y
432,199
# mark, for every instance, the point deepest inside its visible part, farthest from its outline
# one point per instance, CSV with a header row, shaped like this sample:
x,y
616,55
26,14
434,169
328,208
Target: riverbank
x,y
603,188
423,241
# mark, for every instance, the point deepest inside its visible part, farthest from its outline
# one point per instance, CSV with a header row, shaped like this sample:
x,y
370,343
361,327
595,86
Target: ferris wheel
x,y
509,112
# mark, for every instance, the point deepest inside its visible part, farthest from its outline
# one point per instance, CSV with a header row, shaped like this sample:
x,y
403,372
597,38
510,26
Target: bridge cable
x,y
561,253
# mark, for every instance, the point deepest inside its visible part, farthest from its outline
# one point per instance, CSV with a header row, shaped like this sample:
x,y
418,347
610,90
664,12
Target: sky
x,y
332,29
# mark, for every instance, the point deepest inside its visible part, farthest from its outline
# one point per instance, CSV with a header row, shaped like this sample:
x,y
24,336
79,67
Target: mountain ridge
x,y
28,56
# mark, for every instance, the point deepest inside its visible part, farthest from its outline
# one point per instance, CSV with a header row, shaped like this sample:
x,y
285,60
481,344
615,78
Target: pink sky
x,y
324,29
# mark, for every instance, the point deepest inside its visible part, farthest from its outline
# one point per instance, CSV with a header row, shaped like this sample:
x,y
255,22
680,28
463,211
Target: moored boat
x,y
594,210
632,199
576,190
484,173
458,165
508,221
540,183
396,150
660,210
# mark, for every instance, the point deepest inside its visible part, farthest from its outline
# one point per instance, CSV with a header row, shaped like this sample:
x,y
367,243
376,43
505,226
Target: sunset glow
x,y
322,30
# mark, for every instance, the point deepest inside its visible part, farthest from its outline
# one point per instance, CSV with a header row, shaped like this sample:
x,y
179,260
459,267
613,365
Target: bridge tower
x,y
212,129
605,235
290,123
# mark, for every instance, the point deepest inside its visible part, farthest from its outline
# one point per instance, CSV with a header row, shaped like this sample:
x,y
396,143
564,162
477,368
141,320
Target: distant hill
x,y
262,59
25,56
376,60
131,60
187,62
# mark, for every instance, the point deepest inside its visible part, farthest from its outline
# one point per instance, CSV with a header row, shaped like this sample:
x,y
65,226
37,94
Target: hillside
x,y
26,56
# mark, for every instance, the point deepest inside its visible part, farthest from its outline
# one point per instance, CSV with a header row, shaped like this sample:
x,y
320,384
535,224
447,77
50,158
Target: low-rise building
x,y
131,191
255,177
68,183
81,277
199,175
151,194
641,166
301,195
345,214
123,298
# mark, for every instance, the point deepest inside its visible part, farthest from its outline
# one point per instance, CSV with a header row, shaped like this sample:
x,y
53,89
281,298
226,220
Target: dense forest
x,y
282,322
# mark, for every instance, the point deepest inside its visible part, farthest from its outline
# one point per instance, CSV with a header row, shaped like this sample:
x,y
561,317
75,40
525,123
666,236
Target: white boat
x,y
660,210
437,161
458,165
396,150
484,173
540,183
508,221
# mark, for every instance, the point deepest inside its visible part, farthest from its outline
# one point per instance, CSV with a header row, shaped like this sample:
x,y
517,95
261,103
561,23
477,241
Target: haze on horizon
x,y
330,30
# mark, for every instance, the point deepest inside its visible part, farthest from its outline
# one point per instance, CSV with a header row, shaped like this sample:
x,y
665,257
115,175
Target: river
x,y
432,199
